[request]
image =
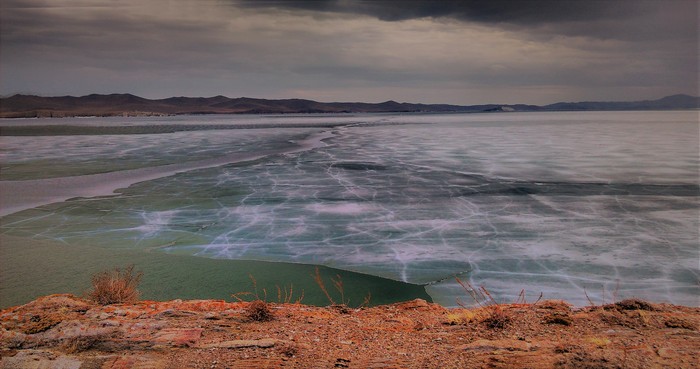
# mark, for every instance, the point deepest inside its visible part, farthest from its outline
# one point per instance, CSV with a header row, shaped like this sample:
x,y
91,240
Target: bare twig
x,y
319,282
588,297
366,300
338,284
475,294
238,295
538,299
487,294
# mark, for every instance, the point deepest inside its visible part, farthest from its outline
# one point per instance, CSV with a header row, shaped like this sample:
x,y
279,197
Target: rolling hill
x,y
27,106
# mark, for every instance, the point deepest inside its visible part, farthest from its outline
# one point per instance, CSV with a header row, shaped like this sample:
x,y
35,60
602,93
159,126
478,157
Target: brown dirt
x,y
67,332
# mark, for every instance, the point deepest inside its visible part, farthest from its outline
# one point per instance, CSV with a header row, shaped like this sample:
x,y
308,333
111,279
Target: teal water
x,y
32,268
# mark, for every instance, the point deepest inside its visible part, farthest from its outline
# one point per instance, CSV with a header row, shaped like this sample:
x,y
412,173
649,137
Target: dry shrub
x,y
258,311
497,318
115,286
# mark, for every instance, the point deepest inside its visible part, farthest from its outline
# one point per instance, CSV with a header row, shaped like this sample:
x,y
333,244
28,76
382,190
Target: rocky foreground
x,y
63,331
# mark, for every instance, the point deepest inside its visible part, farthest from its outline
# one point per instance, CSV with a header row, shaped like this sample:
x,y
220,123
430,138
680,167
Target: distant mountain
x,y
25,106
673,102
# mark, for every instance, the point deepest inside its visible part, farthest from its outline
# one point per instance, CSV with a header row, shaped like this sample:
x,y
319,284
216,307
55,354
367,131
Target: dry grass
x,y
340,288
288,295
464,317
285,295
496,317
322,285
115,286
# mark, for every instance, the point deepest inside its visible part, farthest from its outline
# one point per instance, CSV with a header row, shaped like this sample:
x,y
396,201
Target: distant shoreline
x,y
127,105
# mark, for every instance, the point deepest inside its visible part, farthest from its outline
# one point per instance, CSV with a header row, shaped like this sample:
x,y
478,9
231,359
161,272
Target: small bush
x,y
258,311
497,318
115,286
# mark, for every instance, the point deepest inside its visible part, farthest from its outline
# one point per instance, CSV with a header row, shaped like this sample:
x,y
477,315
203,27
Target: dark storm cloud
x,y
537,51
507,11
595,18
646,41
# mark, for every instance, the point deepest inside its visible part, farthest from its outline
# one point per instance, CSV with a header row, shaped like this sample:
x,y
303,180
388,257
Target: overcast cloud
x,y
462,52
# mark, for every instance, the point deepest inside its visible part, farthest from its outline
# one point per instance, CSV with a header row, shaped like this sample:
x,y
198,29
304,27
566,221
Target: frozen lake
x,y
559,203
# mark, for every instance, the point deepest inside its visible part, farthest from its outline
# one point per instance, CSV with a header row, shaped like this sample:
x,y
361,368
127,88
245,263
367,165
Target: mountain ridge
x,y
28,106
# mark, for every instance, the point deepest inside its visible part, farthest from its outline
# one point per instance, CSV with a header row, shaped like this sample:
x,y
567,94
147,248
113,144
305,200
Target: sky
x,y
457,52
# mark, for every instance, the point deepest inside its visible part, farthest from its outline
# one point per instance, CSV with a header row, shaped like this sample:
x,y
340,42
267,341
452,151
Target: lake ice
x,y
567,204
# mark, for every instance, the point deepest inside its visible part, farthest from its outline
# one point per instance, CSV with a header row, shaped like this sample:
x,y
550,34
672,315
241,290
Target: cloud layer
x,y
461,52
